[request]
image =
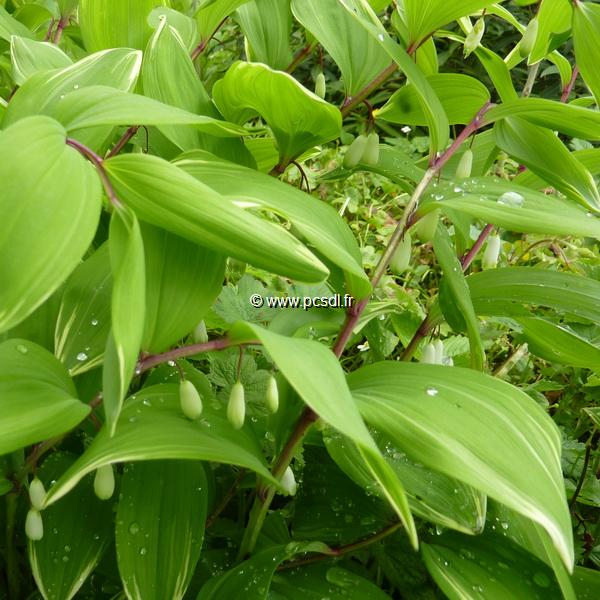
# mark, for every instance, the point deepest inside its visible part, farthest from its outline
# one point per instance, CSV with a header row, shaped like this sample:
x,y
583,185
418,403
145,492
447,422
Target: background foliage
x,y
162,162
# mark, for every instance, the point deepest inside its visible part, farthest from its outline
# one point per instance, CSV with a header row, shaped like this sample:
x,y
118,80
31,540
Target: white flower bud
x,y
104,482
37,493
355,152
401,258
529,37
474,36
492,252
438,345
465,165
272,395
428,355
190,400
427,225
200,335
320,85
34,526
236,409
371,154
288,482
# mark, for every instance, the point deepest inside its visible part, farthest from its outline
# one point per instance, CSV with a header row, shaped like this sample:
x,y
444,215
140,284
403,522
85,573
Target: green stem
x,y
12,566
352,101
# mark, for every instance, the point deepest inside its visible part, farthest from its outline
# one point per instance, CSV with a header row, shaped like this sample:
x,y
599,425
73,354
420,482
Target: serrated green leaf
x,y
320,225
77,532
461,97
29,57
83,322
475,428
37,397
160,527
49,220
167,197
152,427
182,282
128,306
298,118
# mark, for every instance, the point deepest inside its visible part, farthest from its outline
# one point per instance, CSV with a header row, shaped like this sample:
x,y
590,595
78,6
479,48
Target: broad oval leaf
x,y
152,427
127,310
475,428
313,371
511,206
48,220
182,282
29,57
160,527
298,118
77,532
37,397
83,321
487,566
460,95
317,222
115,23
167,197
356,53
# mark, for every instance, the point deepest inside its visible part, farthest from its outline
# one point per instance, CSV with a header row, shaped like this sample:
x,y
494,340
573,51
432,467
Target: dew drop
x,y
431,391
380,37
512,199
22,349
81,356
143,551
541,579
134,528
94,322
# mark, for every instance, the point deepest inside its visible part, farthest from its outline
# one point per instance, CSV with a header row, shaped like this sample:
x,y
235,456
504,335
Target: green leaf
x,y
319,381
103,105
182,282
487,566
542,152
267,25
183,27
557,343
9,26
298,118
211,13
29,57
127,311
572,120
115,23
459,292
532,537
160,527
83,322
49,220
37,397
167,197
423,17
356,53
152,427
317,222
42,93
432,107
586,582
323,581
77,532
511,206
252,578
432,495
506,292
554,17
586,25
169,76
475,428
461,97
